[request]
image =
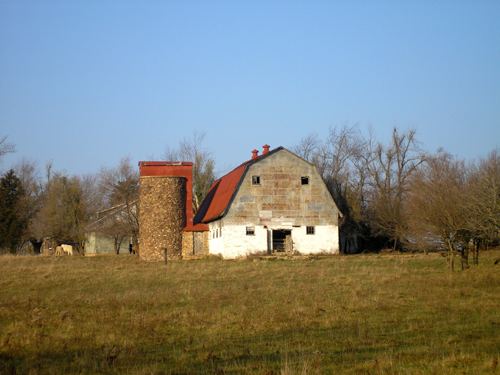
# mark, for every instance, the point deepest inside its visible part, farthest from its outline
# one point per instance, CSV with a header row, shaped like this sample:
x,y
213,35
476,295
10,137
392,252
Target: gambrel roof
x,y
222,192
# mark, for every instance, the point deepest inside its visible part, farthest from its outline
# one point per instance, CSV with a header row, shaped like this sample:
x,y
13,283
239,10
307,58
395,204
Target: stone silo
x,y
161,213
164,190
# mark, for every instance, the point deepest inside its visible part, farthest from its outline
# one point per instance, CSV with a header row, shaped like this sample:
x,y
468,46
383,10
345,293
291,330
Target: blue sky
x,y
84,83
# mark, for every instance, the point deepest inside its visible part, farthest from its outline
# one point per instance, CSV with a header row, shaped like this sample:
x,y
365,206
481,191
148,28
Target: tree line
x,y
392,194
397,195
37,205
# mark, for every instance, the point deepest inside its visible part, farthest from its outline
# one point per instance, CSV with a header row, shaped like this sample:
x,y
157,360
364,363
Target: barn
x,y
273,203
109,232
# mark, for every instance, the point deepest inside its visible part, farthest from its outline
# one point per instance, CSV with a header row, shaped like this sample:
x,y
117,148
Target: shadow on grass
x,y
265,353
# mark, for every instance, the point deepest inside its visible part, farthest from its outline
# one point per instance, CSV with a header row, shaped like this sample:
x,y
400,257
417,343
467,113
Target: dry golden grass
x,y
367,314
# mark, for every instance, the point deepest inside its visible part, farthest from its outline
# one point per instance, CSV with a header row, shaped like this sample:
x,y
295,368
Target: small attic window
x,y
255,180
310,230
250,231
304,180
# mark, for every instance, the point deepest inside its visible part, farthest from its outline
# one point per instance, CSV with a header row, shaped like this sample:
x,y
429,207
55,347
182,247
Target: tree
x,y
483,204
203,165
438,202
6,147
307,148
64,212
390,168
120,188
32,199
368,180
12,223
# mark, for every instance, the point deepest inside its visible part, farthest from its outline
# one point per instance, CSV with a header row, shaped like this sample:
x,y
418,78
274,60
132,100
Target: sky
x,y
86,83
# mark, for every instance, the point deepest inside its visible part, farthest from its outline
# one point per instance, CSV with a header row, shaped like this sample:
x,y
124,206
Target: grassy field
x,y
366,314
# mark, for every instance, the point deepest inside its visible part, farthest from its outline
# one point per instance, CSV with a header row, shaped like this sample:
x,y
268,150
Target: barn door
x,y
281,237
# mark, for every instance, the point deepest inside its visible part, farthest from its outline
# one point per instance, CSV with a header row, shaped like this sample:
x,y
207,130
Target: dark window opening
x,y
304,180
250,231
255,180
309,230
281,239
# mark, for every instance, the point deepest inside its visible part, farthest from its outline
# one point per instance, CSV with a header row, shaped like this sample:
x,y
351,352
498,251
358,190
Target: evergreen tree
x,y
12,222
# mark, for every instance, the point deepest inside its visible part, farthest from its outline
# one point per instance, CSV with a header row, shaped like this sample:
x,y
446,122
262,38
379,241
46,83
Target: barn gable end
x,y
279,203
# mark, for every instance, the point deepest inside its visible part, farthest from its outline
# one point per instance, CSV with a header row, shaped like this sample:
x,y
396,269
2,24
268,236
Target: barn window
x,y
309,230
255,180
304,180
250,231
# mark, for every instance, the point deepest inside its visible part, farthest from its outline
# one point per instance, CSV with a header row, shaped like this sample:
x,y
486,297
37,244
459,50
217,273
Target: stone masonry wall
x,y
161,217
187,244
194,244
200,243
280,198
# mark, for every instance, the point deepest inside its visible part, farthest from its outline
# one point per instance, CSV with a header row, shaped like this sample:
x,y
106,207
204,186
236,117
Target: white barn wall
x,y
233,241
324,240
215,243
238,244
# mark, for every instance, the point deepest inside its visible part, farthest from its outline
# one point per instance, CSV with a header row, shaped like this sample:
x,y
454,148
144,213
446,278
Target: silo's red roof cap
x,y
159,163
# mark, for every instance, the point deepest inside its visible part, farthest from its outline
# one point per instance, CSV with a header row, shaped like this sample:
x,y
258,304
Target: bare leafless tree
x,y
390,168
438,202
483,203
369,180
120,186
6,147
307,147
192,149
